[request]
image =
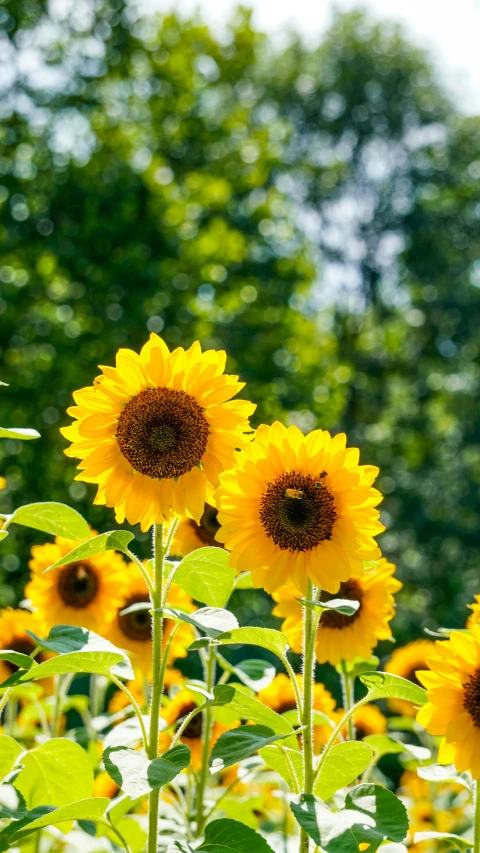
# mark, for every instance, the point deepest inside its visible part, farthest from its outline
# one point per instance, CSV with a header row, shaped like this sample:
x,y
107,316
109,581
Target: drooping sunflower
x,y
342,637
405,661
14,625
174,712
86,593
156,431
453,708
299,507
280,697
191,535
133,631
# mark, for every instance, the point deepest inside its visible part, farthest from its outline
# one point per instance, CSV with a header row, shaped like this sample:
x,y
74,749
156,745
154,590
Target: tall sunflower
x,y
14,625
133,631
453,708
280,697
405,661
191,535
342,637
86,593
155,432
299,507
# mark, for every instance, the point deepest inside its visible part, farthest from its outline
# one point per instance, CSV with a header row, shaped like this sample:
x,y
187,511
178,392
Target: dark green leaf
x,y
385,808
237,744
226,836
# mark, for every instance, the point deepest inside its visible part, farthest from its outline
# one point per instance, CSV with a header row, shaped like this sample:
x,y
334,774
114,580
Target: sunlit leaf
x,y
266,638
136,775
114,540
343,764
207,576
55,773
22,433
237,744
383,685
225,836
9,752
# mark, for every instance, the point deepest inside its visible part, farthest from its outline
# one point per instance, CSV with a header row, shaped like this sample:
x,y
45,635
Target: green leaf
x,y
244,581
17,659
137,776
3,534
55,773
207,576
237,744
266,638
357,666
211,620
334,832
255,673
225,836
444,773
386,745
388,812
64,639
9,752
96,663
87,809
114,540
462,843
345,606
242,706
383,685
275,757
51,517
343,764
22,433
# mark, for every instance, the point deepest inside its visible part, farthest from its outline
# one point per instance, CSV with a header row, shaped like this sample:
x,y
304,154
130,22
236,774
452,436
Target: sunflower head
x,y
299,507
84,593
369,720
453,708
474,618
155,432
191,535
405,661
14,625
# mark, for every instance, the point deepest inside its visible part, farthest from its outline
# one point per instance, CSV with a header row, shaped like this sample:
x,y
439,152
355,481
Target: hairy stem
x,y
476,823
157,678
309,631
206,732
348,698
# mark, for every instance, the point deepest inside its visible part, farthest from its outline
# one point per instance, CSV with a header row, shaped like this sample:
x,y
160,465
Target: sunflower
x,y
189,535
86,593
453,707
133,631
369,720
155,432
177,709
404,662
299,507
474,618
280,697
104,786
14,625
342,637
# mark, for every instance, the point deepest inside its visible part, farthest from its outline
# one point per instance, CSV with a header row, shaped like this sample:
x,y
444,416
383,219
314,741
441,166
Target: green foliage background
x,y
315,211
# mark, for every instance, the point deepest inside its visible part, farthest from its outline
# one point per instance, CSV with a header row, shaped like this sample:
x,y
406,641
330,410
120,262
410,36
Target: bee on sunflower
x,y
133,631
280,697
405,661
297,508
191,535
156,431
85,593
341,637
453,691
14,624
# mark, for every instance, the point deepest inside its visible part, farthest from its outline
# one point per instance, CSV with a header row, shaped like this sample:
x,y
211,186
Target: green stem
x,y
309,632
186,722
143,571
206,731
62,688
157,679
348,698
168,545
476,824
293,678
11,717
337,730
166,653
5,698
123,687
36,848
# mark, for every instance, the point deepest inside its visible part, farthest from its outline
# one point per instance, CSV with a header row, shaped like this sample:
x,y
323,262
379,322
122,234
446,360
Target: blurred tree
x,y
156,177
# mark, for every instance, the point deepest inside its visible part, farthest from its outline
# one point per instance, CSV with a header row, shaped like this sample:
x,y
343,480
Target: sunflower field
x,y
240,465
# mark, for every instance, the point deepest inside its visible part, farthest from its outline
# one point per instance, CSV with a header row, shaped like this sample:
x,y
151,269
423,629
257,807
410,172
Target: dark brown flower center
x,y
298,512
194,728
162,432
208,526
138,624
23,645
78,585
286,705
352,590
471,697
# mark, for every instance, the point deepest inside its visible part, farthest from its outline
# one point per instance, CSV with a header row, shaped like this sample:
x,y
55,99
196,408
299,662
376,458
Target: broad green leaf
x,y
96,663
237,744
51,517
242,706
386,745
444,773
457,840
357,666
210,620
343,764
266,638
388,812
383,685
207,576
114,540
256,674
334,832
55,773
136,775
17,659
345,606
64,639
22,433
9,752
283,759
225,836
3,534
88,809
